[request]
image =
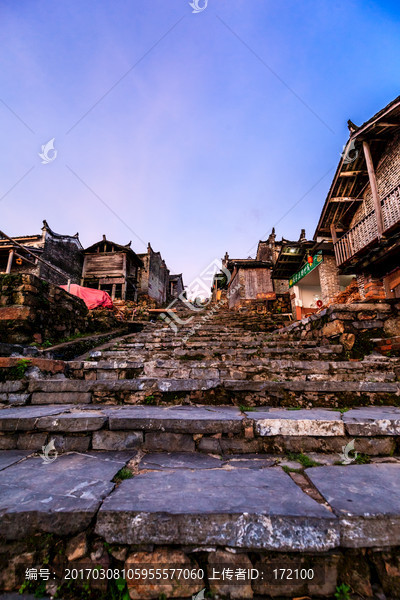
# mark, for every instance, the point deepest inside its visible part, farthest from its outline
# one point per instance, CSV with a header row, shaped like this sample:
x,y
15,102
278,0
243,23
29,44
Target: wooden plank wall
x,y
104,264
257,281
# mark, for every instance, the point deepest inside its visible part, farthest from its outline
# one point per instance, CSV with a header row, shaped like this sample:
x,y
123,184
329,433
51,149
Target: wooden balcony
x,y
365,232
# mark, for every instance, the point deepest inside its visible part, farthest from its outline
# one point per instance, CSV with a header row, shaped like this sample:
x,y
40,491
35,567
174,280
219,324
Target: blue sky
x,y
199,131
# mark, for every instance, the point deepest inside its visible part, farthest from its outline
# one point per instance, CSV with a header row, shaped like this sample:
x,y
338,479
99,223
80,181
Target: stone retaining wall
x,y
356,326
227,572
34,311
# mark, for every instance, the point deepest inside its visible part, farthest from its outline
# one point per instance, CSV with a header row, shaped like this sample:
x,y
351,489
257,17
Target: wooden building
x,y
251,278
361,214
61,251
112,268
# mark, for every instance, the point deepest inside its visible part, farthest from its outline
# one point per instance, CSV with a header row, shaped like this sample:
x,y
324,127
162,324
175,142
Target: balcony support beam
x,y
10,261
374,188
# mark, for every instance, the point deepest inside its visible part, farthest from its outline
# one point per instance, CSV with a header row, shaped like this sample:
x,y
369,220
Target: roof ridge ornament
x,y
352,127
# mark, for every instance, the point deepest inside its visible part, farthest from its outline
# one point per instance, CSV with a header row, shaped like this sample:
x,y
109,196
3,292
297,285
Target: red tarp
x,y
92,298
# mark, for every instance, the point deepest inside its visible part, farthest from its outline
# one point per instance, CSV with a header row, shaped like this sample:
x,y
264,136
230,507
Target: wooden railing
x,y
365,231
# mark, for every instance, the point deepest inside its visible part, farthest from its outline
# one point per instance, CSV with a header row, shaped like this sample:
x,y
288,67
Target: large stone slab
x,y
315,422
186,419
117,440
11,456
60,385
25,418
159,461
73,422
367,500
61,398
58,497
243,508
374,420
186,385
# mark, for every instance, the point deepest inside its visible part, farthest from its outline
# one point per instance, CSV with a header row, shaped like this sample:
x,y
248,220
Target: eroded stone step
x,y
253,369
243,504
220,430
255,508
152,390
244,508
193,512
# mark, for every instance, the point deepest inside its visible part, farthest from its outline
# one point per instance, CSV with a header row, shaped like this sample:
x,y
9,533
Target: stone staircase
x,y
218,449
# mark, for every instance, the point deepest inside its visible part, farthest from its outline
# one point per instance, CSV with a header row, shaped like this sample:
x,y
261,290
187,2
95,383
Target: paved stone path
x,y
189,498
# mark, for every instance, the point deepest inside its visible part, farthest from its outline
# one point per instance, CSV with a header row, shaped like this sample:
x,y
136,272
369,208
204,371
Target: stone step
x,y
322,353
201,513
201,390
217,337
375,431
264,509
253,368
184,500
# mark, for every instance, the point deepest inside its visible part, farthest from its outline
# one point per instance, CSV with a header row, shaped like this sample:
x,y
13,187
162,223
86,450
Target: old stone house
x,y
361,214
176,286
112,268
153,281
64,252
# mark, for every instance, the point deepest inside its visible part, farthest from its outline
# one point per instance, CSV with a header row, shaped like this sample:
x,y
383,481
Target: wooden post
x,y
10,260
68,285
333,233
374,188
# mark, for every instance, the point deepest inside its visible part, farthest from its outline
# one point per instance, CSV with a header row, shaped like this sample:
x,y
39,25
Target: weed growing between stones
x,y
122,474
289,470
303,459
150,400
17,372
362,459
342,592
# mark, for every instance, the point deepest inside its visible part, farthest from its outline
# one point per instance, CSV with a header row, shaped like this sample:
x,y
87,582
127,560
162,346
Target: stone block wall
x,y
153,277
329,278
82,548
35,311
356,326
